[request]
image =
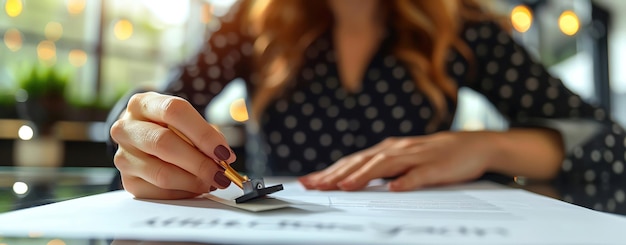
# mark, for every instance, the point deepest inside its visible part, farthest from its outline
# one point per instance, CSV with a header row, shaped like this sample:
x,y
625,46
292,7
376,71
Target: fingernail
x,y
303,180
212,188
222,152
221,179
325,185
344,184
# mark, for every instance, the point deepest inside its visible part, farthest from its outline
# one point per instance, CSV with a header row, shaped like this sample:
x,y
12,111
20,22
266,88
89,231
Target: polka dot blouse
x,y
316,122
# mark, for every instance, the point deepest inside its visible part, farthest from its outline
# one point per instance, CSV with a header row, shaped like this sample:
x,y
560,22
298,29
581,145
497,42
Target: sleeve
x,y
528,96
224,57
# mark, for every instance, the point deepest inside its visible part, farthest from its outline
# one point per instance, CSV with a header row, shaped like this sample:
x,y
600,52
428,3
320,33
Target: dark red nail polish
x,y
222,152
212,188
221,179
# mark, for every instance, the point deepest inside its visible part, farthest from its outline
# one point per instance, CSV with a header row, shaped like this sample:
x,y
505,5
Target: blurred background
x,y
64,64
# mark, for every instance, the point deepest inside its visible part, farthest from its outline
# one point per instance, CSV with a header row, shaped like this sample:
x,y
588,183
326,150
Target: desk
x,y
52,185
23,187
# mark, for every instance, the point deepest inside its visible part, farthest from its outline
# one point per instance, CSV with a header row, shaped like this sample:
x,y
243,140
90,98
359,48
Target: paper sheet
x,y
259,205
479,213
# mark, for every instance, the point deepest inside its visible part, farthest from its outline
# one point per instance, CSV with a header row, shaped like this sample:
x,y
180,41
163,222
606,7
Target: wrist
x,y
533,153
494,145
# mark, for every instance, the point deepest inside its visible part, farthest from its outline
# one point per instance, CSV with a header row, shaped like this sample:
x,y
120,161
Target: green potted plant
x,y
7,103
41,95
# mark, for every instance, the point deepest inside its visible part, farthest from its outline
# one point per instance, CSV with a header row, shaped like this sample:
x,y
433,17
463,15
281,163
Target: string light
x,y
207,13
13,8
521,18
53,31
123,29
13,39
46,50
238,110
56,242
75,6
77,57
25,132
569,23
20,188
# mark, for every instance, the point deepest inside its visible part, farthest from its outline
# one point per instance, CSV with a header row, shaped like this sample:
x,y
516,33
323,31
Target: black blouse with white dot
x,y
316,121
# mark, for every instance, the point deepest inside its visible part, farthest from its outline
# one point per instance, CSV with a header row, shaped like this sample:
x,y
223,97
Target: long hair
x,y
426,31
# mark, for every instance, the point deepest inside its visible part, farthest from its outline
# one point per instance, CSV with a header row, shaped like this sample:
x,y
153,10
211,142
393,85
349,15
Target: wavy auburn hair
x,y
426,31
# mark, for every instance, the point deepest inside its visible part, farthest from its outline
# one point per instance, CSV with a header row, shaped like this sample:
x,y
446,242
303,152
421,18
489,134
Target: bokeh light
x,y
35,234
238,110
207,13
46,50
168,11
123,29
77,57
20,188
13,8
56,242
473,125
13,39
521,18
25,132
53,31
569,23
75,6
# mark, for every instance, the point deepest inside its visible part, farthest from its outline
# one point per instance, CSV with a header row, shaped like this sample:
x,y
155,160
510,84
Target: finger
x,y
380,166
389,163
328,179
420,177
313,180
142,189
308,180
183,116
133,162
164,144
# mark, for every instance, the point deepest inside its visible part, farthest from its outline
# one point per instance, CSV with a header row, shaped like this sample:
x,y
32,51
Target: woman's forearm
x,y
533,153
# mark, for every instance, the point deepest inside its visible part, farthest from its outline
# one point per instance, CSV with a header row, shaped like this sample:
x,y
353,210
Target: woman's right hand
x,y
155,162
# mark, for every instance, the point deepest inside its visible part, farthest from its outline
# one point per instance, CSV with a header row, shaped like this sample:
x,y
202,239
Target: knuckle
x,y
209,138
388,140
160,141
404,142
120,160
343,160
160,177
206,166
173,107
129,183
356,158
382,157
135,101
117,129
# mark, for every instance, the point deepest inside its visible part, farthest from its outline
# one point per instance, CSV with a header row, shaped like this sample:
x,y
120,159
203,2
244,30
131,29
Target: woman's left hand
x,y
416,161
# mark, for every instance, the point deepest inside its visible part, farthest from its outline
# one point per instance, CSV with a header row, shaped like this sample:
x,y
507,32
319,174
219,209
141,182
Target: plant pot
x,y
8,111
43,111
46,151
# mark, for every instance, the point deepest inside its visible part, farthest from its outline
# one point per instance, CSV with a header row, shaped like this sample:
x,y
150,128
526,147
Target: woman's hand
x,y
155,162
418,161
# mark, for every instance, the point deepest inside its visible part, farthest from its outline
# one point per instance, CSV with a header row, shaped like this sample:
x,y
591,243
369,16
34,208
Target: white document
x,y
478,213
